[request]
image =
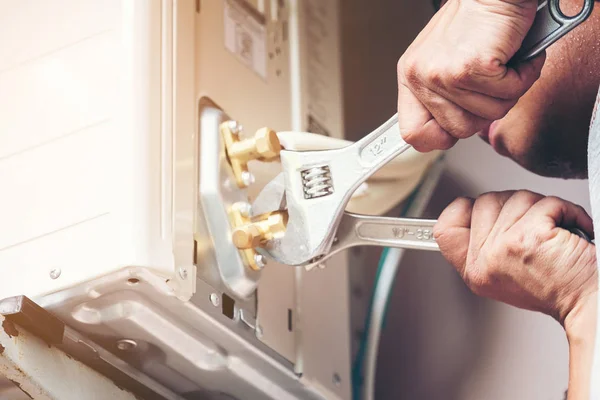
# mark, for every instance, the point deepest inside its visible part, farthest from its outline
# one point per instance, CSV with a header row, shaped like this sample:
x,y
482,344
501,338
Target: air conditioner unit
x,y
117,193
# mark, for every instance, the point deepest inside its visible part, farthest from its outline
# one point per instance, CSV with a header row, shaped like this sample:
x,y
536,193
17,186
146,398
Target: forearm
x,y
581,328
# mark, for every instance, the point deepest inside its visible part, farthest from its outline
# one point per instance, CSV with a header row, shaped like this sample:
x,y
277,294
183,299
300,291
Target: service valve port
x,y
263,146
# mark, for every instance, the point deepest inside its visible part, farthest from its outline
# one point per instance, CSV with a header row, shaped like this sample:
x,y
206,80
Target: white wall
x,y
442,342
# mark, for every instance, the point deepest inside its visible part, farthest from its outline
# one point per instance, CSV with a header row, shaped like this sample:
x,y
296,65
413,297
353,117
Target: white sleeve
x,y
594,182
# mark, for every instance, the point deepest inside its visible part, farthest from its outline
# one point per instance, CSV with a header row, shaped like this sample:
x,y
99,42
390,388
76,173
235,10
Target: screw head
x,y
247,178
55,273
126,344
183,273
336,379
260,260
235,127
215,300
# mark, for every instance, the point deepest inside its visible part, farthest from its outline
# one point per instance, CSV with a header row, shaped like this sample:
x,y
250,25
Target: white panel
x,y
58,94
81,141
33,28
55,186
81,252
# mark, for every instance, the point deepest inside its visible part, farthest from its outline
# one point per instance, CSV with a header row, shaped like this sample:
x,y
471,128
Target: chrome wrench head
x,y
315,187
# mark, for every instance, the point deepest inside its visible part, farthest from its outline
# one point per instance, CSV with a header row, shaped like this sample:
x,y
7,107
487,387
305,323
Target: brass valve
x,y
264,146
253,232
256,233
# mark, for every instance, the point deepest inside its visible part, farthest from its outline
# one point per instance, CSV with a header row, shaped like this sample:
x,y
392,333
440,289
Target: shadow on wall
x,y
432,336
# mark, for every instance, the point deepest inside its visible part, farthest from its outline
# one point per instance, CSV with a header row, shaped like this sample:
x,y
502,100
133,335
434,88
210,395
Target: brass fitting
x,y
263,229
264,146
249,233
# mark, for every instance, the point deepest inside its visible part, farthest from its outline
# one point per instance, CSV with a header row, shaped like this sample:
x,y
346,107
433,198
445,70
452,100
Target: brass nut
x,y
263,146
260,230
251,233
246,237
267,143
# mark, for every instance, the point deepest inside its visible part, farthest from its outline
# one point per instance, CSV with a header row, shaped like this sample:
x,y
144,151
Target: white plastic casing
x,y
88,156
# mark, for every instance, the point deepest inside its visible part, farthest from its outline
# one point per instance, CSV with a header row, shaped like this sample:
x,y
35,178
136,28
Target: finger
x,y
452,232
514,209
478,104
429,137
416,102
486,211
556,212
481,105
457,121
503,82
412,114
417,126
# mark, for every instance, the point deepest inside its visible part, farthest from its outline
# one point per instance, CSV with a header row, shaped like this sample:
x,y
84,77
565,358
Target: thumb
x,y
453,230
559,213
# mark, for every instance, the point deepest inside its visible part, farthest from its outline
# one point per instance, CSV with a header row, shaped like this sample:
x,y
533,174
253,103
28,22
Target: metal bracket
x,y
222,264
49,360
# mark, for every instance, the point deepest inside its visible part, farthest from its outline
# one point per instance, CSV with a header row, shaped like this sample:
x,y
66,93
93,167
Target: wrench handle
x,y
406,233
549,26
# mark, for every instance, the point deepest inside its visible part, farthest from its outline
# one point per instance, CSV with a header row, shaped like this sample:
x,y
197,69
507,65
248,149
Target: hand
x,y
453,80
511,246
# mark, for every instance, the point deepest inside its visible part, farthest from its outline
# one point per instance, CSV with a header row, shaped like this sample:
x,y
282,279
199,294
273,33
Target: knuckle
x,y
458,128
554,203
459,205
509,245
487,198
408,71
477,280
463,70
435,77
538,236
527,197
463,131
447,142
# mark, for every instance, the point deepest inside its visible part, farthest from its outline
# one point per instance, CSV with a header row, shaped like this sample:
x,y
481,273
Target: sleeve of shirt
x,y
594,184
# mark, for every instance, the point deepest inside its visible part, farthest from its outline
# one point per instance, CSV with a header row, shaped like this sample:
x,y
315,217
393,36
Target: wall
x,y
442,342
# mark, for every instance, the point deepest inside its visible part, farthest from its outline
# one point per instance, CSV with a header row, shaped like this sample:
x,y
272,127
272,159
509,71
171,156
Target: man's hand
x,y
511,246
514,247
453,80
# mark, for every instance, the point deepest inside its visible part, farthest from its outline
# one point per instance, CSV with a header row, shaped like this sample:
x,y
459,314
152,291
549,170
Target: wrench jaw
x,y
309,232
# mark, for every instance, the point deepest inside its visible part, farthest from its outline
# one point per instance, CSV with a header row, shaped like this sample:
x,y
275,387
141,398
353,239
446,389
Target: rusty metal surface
x,y
23,311
43,372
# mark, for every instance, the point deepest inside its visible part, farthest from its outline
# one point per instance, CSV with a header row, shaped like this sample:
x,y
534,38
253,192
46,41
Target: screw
x,y
247,178
258,331
245,209
183,274
336,379
126,344
260,261
55,273
214,299
235,127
